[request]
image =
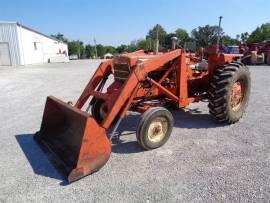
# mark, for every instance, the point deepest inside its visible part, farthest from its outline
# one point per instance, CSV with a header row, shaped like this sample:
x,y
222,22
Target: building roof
x,y
108,54
30,29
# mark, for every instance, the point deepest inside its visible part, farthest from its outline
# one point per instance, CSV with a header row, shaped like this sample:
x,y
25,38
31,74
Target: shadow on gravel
x,y
37,158
127,148
127,128
190,118
193,118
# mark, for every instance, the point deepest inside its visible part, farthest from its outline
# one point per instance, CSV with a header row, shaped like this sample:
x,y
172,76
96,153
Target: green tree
x,y
76,47
89,51
82,50
60,37
244,37
260,34
101,50
168,40
182,35
206,35
132,46
144,44
122,48
227,40
161,34
110,49
238,37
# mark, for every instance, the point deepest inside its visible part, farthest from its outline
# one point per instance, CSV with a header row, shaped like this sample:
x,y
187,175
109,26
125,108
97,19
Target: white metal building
x,y
20,45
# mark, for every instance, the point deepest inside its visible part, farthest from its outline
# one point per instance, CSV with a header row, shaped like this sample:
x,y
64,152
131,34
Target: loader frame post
x,y
182,81
122,98
124,111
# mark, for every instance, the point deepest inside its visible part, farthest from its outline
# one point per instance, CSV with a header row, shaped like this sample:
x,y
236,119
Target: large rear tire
x,y
154,128
229,92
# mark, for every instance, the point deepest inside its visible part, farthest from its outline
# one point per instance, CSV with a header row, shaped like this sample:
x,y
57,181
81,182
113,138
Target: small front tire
x,y
99,110
155,128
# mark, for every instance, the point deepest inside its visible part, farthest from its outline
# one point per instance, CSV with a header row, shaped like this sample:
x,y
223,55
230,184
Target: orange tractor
x,y
257,53
78,142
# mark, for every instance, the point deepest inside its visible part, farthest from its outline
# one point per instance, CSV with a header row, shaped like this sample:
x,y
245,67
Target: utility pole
x,y
149,42
95,45
218,37
157,40
79,49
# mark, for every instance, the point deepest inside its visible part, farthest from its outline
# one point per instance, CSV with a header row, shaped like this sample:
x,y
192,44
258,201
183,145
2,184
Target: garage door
x,y
4,54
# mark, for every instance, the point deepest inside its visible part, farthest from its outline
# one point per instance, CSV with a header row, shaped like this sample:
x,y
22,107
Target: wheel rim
x,y
157,129
237,95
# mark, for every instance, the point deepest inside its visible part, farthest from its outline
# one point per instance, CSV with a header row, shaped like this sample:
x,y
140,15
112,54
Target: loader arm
x,y
138,75
101,73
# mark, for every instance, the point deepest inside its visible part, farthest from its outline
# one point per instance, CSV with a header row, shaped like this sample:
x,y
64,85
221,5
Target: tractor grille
x,y
121,72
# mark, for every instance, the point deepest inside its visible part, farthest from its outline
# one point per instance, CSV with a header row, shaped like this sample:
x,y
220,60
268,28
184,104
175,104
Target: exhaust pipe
x,y
174,42
156,47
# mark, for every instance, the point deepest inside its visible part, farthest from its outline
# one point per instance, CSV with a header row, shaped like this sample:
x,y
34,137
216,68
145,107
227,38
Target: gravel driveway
x,y
202,161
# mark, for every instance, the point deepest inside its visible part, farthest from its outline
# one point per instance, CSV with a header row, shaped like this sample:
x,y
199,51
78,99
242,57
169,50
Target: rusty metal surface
x,y
78,144
73,140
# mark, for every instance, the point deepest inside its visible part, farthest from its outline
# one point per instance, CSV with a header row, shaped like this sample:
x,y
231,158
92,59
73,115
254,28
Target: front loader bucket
x,y
73,140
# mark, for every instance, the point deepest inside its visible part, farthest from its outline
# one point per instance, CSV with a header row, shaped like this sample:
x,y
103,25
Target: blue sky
x,y
116,22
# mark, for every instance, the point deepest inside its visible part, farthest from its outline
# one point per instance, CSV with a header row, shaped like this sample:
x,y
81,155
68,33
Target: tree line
x,y
200,37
